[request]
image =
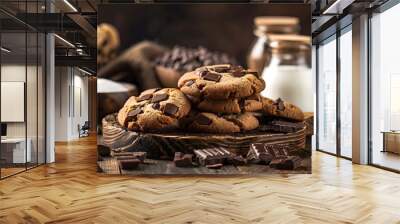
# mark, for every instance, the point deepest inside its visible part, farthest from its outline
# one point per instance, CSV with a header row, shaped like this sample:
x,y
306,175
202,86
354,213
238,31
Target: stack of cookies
x,y
210,99
223,98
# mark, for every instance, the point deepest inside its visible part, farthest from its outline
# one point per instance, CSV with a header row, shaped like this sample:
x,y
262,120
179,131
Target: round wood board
x,y
164,145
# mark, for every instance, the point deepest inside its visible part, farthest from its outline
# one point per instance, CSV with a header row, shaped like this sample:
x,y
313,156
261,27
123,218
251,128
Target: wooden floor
x,y
70,191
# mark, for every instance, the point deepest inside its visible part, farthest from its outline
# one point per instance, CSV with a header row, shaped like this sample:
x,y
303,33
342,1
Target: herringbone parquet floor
x,y
70,191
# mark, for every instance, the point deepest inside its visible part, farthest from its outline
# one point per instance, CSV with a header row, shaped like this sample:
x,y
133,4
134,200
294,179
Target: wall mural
x,y
219,89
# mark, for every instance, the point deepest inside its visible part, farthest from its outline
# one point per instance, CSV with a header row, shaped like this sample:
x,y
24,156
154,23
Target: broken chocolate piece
x,y
170,109
212,156
203,120
135,112
183,160
138,155
222,69
212,77
277,150
237,71
129,164
203,73
237,161
288,163
258,153
145,97
159,97
285,126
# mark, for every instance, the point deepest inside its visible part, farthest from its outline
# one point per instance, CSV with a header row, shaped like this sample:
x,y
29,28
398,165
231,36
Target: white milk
x,y
290,83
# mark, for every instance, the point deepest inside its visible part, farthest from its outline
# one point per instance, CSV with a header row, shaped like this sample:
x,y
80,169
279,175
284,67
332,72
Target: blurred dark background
x,y
218,27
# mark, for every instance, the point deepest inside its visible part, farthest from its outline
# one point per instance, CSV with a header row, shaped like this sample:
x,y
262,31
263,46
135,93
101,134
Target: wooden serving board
x,y
164,145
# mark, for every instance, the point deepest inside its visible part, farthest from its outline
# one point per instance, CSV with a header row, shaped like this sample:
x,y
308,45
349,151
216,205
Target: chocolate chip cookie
x,y
212,123
231,106
282,109
154,110
220,82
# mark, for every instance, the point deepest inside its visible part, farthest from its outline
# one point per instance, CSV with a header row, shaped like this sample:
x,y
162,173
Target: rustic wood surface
x,y
165,167
164,145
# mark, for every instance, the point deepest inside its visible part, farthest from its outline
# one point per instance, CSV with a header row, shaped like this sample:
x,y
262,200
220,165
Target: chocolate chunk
x,y
288,163
285,126
222,69
203,73
237,71
203,120
280,104
189,83
215,166
140,155
212,156
212,77
145,97
170,109
135,112
187,59
258,153
159,97
237,161
137,155
156,106
277,150
183,160
129,164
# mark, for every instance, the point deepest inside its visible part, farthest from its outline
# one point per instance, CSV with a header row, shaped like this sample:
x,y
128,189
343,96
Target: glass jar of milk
x,y
288,75
259,54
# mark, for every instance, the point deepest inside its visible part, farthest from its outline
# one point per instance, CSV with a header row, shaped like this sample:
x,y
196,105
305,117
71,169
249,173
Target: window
x,y
385,89
327,96
346,92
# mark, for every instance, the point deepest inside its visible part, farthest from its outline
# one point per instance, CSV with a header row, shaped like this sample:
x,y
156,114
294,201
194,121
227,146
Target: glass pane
x,y
346,94
31,99
41,99
13,85
385,89
327,96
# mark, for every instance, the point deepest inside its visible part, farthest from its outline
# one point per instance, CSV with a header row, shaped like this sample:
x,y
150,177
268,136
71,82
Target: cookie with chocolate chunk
x,y
212,123
231,106
154,110
220,82
282,109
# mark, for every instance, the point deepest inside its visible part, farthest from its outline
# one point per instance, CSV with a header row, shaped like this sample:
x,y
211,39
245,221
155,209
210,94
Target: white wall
x,y
71,102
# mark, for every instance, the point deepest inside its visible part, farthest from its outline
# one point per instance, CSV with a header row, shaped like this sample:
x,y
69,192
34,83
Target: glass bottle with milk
x,y
259,55
288,75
